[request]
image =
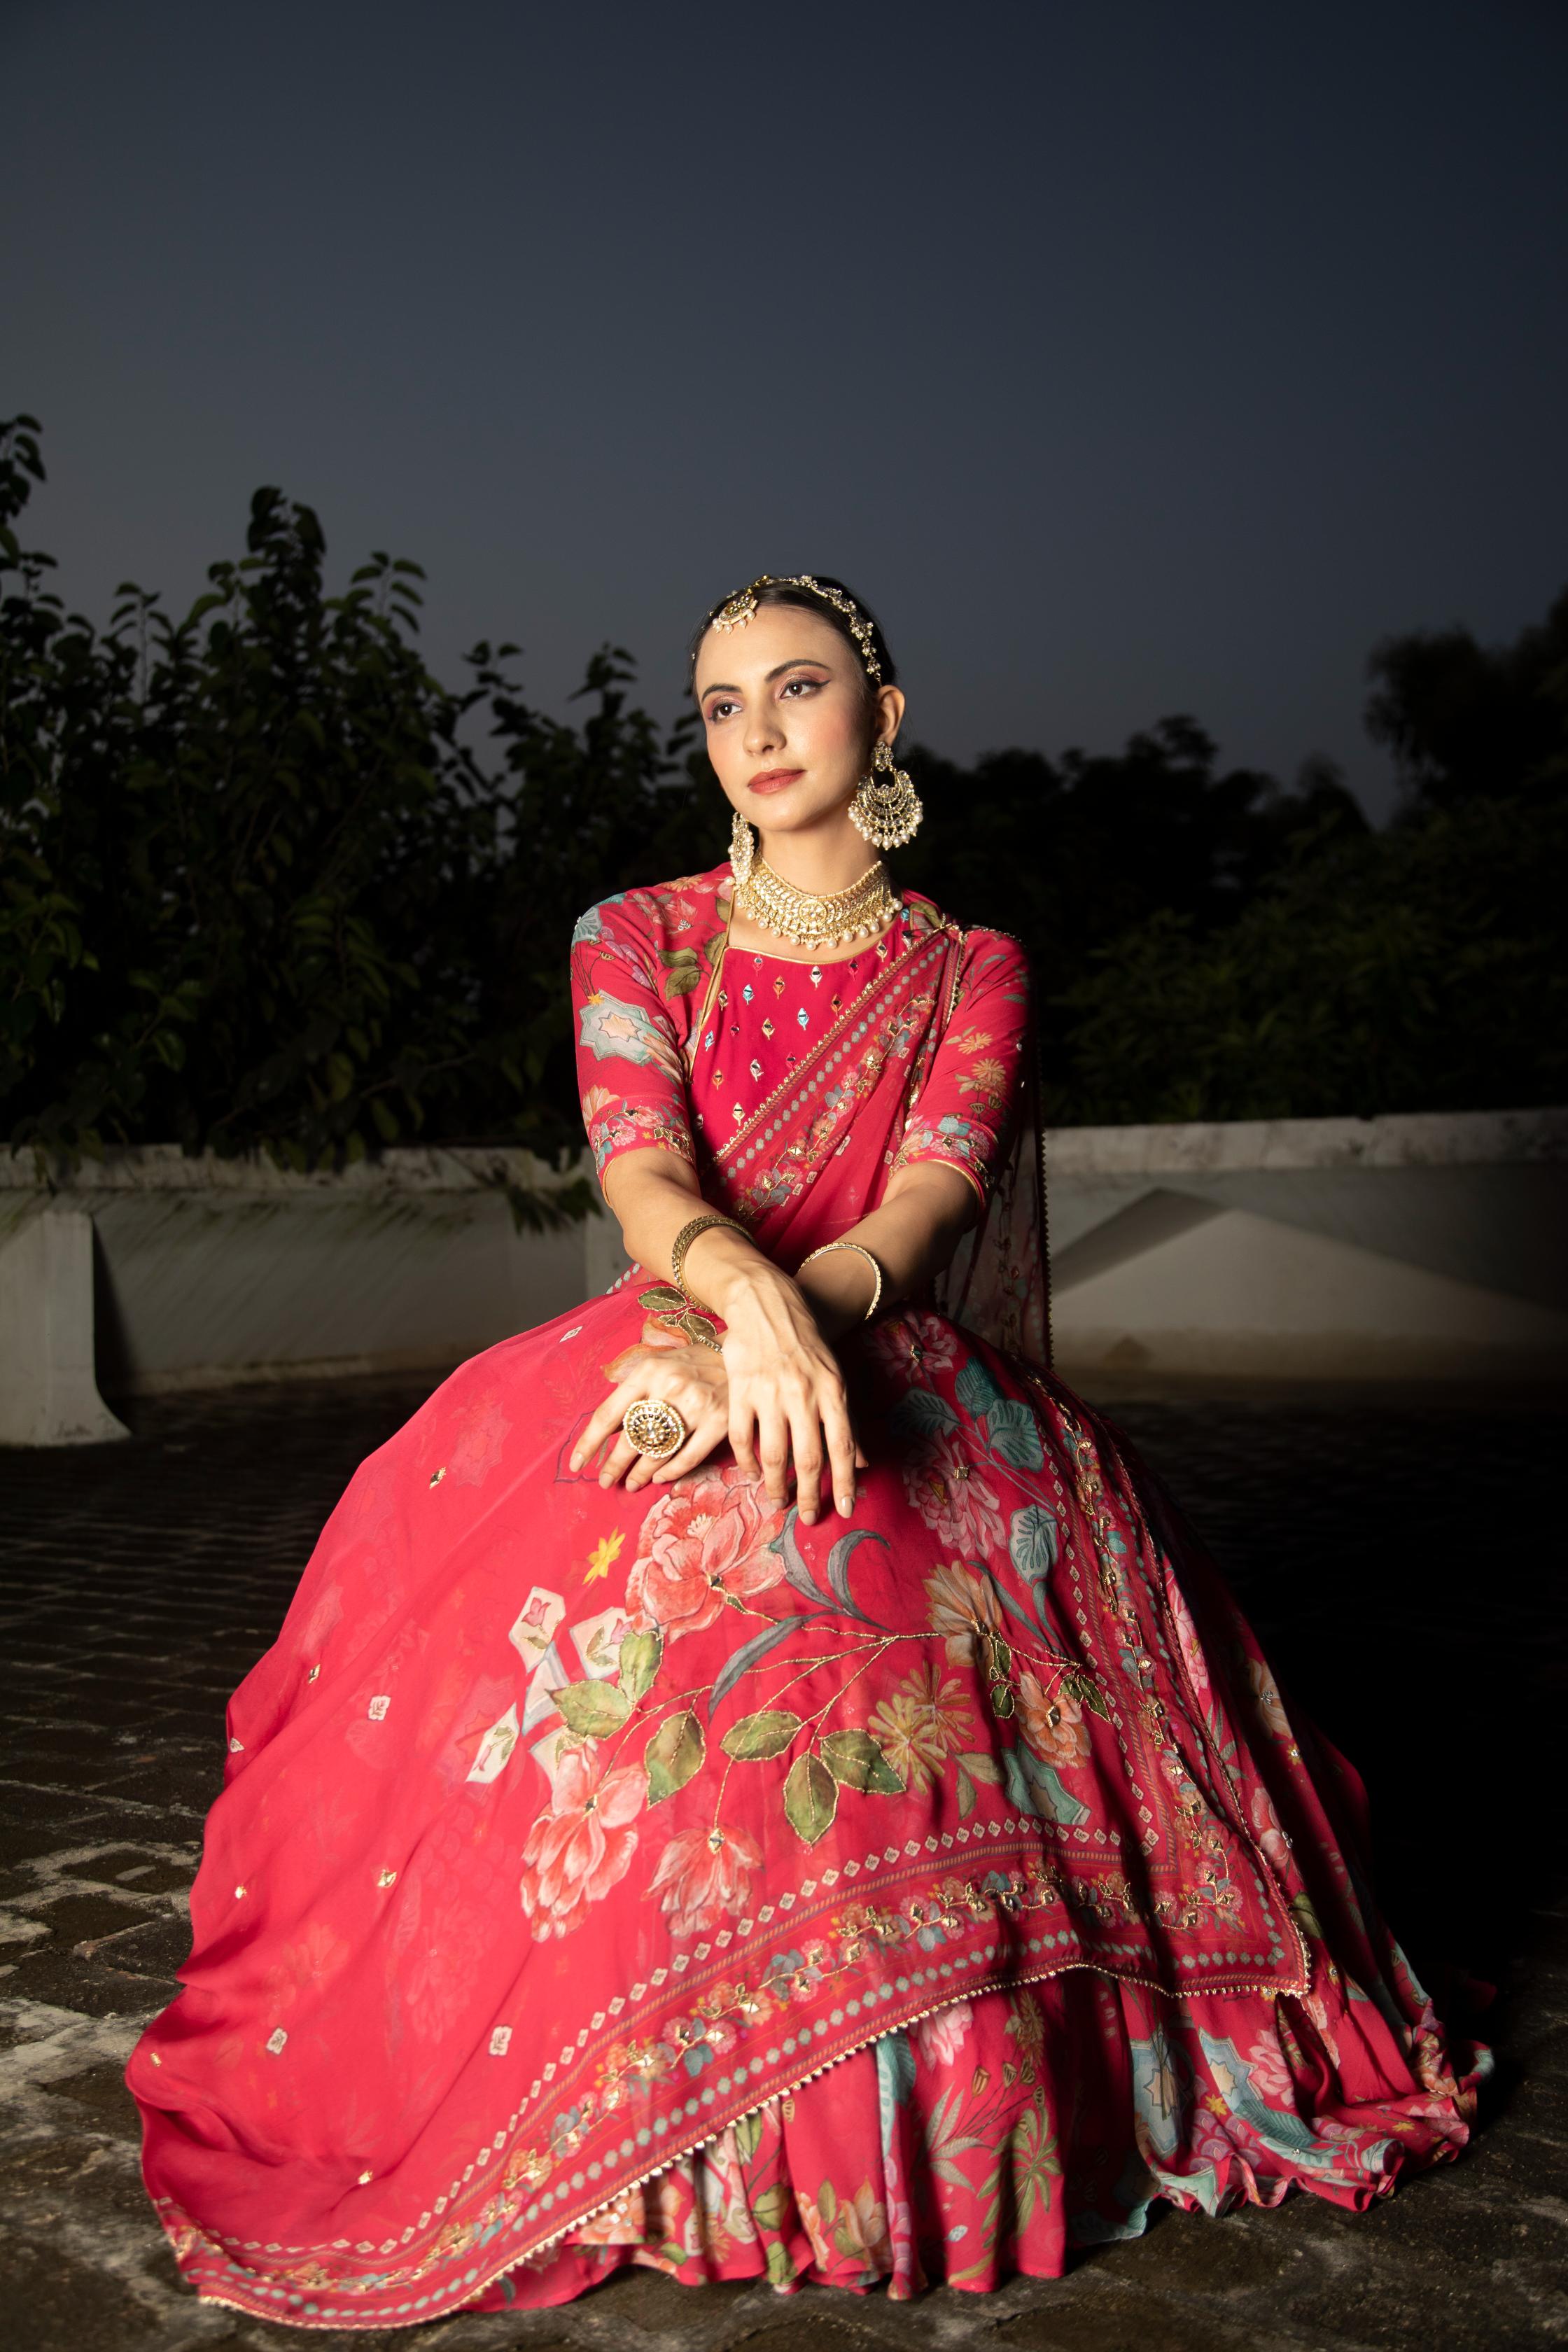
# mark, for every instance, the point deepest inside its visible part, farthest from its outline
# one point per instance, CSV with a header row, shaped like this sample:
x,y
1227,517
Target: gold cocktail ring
x,y
656,1428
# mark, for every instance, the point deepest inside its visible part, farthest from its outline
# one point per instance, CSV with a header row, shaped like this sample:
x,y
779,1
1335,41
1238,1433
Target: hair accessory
x,y
860,1250
683,1241
737,610
653,1427
805,921
886,810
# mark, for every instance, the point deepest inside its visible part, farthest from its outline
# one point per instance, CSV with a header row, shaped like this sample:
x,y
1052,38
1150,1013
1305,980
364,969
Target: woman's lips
x,y
773,780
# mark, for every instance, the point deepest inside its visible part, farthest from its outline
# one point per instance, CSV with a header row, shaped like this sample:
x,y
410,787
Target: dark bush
x,y
265,883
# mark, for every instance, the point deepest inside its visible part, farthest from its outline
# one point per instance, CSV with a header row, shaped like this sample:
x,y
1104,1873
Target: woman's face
x,y
788,722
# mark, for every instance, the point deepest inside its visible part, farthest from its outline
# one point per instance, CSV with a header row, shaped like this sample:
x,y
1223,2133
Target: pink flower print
x,y
1187,1641
954,1498
937,1342
914,1345
1052,1723
482,1432
1265,1691
962,1606
1268,1834
939,2038
703,1543
702,1874
583,1846
1270,2076
860,2229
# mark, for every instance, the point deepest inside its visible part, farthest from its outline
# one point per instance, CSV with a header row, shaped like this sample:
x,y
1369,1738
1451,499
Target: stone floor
x,y
1404,1559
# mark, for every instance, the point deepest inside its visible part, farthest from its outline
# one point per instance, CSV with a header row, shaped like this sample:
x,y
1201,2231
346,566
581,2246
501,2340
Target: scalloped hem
x,y
997,2138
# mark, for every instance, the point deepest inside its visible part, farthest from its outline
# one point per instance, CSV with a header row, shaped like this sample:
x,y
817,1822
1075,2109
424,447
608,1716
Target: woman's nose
x,y
763,732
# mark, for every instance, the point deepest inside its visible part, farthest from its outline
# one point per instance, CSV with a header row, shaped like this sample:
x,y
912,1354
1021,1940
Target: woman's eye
x,y
809,684
718,710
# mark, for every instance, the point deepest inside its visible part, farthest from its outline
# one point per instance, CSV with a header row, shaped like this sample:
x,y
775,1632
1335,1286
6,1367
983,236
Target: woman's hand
x,y
692,1380
786,1396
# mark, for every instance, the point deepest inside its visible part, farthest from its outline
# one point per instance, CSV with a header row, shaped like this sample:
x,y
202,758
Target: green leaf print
x,y
982,1768
674,1753
684,966
748,2136
1084,1691
838,1568
855,1761
921,1413
749,1654
768,1733
663,1299
769,2207
1033,1542
975,1388
639,1656
1013,1433
810,1797
593,1710
1052,1800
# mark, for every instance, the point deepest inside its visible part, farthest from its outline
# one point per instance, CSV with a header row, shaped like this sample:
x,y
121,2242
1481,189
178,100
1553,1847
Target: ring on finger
x,y
653,1427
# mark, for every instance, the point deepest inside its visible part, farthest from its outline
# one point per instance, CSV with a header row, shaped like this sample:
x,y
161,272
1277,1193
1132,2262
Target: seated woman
x,y
752,1780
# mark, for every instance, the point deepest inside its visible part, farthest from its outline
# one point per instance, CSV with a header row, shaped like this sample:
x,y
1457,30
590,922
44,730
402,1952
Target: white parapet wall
x,y
207,1271
1431,1248
1421,1247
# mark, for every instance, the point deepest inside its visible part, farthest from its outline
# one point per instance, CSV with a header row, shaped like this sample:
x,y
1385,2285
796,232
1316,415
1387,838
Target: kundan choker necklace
x,y
804,920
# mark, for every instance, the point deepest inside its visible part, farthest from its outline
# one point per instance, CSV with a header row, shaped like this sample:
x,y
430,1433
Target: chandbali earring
x,y
743,850
885,808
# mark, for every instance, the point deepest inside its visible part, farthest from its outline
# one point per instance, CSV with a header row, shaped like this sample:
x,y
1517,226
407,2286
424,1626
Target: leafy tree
x,y
1072,854
1467,721
1415,970
265,882
259,884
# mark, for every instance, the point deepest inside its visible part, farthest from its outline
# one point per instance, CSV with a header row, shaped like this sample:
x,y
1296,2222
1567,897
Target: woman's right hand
x,y
787,1397
692,1379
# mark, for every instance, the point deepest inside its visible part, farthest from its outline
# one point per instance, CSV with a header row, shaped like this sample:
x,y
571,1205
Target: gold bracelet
x,y
860,1250
683,1241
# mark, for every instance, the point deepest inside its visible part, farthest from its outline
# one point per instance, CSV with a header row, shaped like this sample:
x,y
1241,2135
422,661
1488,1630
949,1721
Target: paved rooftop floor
x,y
1404,1559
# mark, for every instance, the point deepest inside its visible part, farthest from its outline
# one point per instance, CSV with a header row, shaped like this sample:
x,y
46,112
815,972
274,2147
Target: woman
x,y
746,1791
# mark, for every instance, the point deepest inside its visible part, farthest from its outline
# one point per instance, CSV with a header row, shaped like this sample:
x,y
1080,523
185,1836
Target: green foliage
x,y
266,882
1415,970
1466,721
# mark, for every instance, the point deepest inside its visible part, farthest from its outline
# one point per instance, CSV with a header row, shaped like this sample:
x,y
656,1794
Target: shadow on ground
x,y
1401,1559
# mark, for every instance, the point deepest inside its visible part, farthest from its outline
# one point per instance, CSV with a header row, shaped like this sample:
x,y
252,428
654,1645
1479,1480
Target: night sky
x,y
1129,358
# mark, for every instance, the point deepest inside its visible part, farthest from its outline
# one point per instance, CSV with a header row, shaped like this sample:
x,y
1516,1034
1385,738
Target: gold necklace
x,y
805,921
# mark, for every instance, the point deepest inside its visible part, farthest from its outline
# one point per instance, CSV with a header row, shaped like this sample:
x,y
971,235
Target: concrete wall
x,y
1421,1247
1425,1248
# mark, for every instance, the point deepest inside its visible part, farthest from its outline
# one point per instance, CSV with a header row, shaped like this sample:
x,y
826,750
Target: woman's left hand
x,y
692,1380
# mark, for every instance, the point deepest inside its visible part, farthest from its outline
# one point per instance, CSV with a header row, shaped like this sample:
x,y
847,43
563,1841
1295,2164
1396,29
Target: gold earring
x,y
742,849
885,808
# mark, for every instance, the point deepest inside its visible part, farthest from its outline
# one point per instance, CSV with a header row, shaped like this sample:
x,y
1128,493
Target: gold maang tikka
x,y
735,613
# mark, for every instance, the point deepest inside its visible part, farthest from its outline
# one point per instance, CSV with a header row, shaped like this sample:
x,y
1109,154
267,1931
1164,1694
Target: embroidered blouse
x,y
642,968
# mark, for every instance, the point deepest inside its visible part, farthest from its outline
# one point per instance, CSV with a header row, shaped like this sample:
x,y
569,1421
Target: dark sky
x,y
1130,358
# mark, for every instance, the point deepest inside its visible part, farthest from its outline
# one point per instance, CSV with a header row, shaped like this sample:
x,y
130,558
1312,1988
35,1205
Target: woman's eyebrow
x,y
798,661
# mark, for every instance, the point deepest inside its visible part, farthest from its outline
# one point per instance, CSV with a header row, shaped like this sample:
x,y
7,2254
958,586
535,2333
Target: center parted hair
x,y
813,592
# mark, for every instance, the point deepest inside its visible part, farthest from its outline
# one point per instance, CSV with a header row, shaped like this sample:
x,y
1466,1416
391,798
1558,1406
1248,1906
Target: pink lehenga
x,y
607,1879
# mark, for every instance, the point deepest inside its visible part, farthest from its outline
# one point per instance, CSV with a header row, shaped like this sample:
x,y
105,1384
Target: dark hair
x,y
781,592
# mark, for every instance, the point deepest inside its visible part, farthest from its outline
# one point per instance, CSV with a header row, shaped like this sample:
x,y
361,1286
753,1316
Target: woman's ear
x,y
890,706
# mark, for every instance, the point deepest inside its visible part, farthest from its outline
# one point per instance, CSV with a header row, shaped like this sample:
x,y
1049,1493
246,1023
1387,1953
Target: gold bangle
x,y
683,1241
860,1250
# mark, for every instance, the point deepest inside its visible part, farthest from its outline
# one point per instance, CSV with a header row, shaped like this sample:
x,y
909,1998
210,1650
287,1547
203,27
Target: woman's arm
x,y
785,1391
924,1216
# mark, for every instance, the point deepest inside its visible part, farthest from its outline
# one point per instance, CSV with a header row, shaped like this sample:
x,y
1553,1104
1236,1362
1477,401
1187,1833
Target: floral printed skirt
x,y
995,2135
